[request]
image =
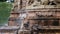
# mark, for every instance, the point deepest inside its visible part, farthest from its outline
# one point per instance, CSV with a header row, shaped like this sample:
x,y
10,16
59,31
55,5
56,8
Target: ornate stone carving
x,y
30,2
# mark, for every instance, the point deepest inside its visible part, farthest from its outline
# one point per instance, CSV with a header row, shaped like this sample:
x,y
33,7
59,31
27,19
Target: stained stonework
x,y
45,13
9,30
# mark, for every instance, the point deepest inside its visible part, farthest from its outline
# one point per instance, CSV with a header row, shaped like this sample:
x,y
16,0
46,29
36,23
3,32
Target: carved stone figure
x,y
58,1
38,2
34,2
51,2
44,2
30,2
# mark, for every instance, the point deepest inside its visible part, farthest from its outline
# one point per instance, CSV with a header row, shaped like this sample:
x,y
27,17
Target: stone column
x,y
23,3
14,13
59,22
18,5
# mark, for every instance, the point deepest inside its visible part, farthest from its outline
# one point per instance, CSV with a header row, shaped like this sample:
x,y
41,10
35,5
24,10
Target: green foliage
x,y
2,0
5,9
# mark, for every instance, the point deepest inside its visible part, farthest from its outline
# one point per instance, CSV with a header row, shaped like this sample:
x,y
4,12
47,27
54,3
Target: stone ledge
x,y
9,28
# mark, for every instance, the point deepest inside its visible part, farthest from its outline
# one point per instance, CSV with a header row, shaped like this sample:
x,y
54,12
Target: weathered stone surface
x,y
36,12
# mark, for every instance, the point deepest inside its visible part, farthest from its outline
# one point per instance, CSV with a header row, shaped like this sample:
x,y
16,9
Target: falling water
x,y
22,16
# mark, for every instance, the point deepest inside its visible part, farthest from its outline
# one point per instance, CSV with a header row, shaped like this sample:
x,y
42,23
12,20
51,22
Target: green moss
x,y
5,9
